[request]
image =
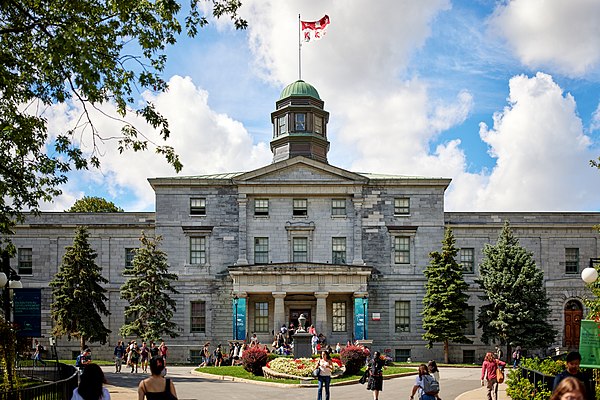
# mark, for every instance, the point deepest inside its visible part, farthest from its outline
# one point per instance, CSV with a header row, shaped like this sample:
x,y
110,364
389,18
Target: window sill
x,y
261,217
401,215
197,215
339,216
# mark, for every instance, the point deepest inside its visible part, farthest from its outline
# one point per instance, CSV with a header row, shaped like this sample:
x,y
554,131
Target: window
x,y
300,121
470,317
338,207
130,318
571,261
198,316
261,207
198,250
402,206
196,356
300,208
401,250
339,316
261,317
402,355
129,255
402,316
338,246
300,249
197,206
318,124
282,121
468,356
261,250
467,259
25,263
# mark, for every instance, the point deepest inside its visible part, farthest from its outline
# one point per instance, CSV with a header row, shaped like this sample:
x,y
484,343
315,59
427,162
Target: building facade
x,y
255,250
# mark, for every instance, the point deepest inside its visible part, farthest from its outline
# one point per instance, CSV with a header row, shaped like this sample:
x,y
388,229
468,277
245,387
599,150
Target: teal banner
x,y
239,319
361,310
589,344
27,312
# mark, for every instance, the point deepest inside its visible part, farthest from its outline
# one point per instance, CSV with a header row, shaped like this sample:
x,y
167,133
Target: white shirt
x,y
105,395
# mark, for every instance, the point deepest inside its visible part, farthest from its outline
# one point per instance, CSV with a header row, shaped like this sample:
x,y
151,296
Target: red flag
x,y
314,30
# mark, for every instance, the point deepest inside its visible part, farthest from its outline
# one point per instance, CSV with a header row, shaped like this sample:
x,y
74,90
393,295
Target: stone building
x,y
254,250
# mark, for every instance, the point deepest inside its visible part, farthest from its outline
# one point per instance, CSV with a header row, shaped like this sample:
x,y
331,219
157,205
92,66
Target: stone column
x,y
357,248
279,312
321,318
242,232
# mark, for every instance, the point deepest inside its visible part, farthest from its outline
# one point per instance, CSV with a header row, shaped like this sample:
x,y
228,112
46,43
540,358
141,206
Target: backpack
x,y
78,361
430,385
515,354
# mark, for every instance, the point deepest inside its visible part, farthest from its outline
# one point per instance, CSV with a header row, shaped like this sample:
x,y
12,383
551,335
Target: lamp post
x,y
9,279
235,326
590,274
364,304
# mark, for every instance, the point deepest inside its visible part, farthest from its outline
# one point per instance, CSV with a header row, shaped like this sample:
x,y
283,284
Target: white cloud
x,y
555,35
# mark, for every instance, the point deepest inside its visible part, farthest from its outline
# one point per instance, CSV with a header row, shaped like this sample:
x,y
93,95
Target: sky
x,y
503,97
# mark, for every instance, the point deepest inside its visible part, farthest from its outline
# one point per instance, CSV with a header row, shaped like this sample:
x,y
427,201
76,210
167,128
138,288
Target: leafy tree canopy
x,y
517,305
94,204
76,52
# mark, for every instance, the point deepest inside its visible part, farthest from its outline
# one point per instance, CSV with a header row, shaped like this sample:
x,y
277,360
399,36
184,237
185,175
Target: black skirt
x,y
375,382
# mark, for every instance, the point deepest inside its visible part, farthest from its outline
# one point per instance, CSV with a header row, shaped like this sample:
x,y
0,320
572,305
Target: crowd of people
x,y
134,355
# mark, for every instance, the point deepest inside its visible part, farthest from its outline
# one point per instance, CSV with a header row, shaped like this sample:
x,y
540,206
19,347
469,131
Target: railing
x,y
538,378
63,381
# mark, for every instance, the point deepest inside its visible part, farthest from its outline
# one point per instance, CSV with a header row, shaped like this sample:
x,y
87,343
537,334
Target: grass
x,y
99,362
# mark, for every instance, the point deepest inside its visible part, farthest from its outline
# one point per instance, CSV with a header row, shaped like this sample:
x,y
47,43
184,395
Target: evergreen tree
x,y
517,305
446,301
94,204
78,297
147,290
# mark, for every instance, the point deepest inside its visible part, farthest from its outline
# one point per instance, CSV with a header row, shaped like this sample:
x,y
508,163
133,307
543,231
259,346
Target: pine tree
x,y
517,305
78,297
445,302
147,290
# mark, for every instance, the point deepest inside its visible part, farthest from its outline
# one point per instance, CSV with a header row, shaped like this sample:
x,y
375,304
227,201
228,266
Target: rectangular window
x,y
401,250
339,316
129,255
198,250
25,261
196,356
338,250
300,208
467,259
261,317
197,206
402,206
282,124
300,249
469,357
300,122
198,316
571,260
318,124
470,317
338,207
130,318
261,207
261,250
402,355
402,316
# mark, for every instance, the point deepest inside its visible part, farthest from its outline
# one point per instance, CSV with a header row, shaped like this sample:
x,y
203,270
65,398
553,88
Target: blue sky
x,y
502,97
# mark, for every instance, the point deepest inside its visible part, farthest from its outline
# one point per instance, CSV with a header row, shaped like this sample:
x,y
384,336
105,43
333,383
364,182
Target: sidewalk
x,y
120,393
481,394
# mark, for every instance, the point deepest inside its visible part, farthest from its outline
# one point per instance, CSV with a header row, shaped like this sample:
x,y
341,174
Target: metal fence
x,y
61,381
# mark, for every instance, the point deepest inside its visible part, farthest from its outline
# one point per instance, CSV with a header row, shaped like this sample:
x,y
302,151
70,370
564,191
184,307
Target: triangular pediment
x,y
298,170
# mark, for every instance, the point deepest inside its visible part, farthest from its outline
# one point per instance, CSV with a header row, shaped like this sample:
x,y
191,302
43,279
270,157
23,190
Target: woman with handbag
x,y
489,370
376,374
325,366
157,387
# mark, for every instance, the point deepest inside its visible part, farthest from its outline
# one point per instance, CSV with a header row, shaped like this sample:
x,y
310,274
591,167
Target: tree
x,y
147,290
517,305
94,204
77,52
445,301
78,297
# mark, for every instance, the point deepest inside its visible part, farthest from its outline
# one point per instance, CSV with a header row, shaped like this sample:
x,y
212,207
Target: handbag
x,y
499,375
316,372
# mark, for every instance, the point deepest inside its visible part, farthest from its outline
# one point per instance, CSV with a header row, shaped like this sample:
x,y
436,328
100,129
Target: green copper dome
x,y
299,88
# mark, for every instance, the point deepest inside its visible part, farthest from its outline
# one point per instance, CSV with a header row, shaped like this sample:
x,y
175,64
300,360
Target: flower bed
x,y
299,368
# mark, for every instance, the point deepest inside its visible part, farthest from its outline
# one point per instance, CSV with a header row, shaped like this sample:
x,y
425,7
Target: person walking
x,y
37,356
157,387
163,351
144,356
572,370
205,353
433,370
218,353
119,353
91,384
426,385
325,366
376,366
516,356
489,370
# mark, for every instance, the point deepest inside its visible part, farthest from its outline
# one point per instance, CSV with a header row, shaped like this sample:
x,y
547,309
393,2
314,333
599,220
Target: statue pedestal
x,y
302,348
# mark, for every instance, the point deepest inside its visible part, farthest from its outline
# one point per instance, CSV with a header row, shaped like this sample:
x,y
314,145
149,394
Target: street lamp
x,y
364,302
9,279
590,274
235,327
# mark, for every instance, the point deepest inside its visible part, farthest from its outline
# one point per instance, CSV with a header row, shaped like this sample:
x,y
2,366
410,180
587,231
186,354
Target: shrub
x,y
354,358
254,359
519,388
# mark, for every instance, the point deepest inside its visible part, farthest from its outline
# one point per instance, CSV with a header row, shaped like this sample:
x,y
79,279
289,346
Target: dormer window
x,y
318,125
300,122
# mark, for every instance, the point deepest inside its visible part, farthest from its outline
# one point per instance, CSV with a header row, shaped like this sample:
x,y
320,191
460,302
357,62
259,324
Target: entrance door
x,y
295,313
573,316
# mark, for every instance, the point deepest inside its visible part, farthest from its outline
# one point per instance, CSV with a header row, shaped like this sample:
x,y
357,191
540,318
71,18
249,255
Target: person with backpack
x,y
83,359
119,353
489,370
516,356
37,356
426,385
218,353
375,371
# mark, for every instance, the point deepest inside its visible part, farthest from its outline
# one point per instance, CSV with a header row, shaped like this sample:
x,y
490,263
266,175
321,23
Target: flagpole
x,y
299,50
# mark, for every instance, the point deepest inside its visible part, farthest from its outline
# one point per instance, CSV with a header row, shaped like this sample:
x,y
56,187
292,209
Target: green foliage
x,y
546,366
77,52
517,305
593,303
253,359
94,204
8,353
78,297
446,299
519,388
354,358
147,290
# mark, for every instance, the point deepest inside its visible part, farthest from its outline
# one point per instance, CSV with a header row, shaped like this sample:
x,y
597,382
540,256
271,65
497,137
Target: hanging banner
x,y
589,344
27,312
239,319
361,310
